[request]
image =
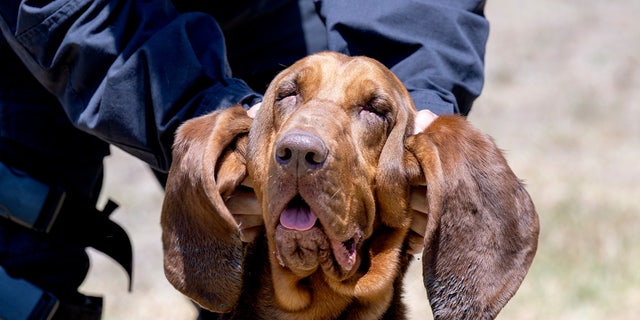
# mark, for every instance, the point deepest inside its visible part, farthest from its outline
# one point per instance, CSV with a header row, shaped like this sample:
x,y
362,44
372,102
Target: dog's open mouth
x,y
298,215
303,244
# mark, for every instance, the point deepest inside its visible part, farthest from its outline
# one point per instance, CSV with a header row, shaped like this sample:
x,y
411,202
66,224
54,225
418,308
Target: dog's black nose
x,y
299,152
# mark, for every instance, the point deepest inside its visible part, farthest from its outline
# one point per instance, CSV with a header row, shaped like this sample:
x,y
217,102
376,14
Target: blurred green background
x,y
562,98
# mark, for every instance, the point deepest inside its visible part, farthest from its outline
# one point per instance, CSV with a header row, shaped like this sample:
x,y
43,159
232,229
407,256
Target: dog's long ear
x,y
482,229
203,253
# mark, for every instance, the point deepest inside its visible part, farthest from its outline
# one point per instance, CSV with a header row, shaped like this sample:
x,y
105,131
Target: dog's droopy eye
x,y
369,108
377,106
286,89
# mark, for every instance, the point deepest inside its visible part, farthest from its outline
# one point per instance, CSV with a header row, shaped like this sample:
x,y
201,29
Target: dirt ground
x,y
562,98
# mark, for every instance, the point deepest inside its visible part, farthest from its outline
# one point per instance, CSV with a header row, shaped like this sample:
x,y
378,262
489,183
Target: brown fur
x,y
357,117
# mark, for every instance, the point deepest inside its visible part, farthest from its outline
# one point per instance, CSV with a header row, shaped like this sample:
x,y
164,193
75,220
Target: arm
x,y
128,72
435,47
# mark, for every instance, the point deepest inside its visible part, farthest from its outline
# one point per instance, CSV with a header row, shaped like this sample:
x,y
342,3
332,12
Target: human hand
x,y
254,110
423,120
418,199
245,209
243,203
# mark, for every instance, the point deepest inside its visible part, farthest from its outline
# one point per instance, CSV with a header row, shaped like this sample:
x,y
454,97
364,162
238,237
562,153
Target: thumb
x,y
423,120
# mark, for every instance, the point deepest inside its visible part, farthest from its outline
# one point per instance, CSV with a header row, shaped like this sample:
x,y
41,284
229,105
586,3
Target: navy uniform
x,y
79,75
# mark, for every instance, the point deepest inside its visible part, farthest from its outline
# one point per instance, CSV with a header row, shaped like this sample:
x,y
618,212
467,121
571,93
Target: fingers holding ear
x,y
419,203
245,208
420,213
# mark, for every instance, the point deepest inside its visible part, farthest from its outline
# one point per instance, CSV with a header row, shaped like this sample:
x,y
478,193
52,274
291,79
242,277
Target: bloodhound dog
x,y
325,227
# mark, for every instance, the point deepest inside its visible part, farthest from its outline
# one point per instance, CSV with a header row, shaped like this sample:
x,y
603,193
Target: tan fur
x,y
481,232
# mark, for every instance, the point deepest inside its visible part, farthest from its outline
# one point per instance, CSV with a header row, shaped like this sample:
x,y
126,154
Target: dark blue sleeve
x,y
126,71
435,47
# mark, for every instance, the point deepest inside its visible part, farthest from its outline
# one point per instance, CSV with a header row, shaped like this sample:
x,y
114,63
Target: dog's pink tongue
x,y
298,218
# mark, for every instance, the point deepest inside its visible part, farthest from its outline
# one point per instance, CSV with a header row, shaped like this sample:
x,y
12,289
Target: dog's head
x,y
332,159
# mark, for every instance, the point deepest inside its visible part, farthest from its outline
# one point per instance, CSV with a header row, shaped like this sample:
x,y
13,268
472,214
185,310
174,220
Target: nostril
x,y
283,155
314,158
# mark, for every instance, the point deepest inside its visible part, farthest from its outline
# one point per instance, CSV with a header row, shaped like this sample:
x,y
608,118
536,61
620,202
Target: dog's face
x,y
315,153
